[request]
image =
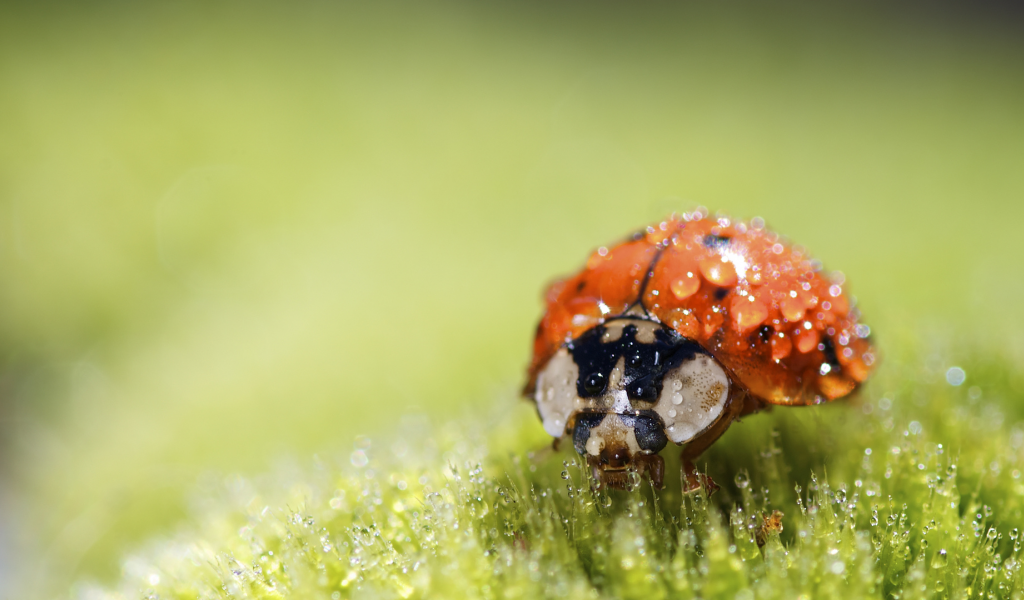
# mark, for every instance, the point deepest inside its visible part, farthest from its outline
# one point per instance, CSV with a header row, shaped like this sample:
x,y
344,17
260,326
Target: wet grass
x,y
912,490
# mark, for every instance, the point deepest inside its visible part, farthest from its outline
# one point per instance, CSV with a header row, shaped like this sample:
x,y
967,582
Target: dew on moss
x,y
485,514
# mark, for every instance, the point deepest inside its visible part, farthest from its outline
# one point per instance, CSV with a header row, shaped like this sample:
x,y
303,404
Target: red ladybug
x,y
685,326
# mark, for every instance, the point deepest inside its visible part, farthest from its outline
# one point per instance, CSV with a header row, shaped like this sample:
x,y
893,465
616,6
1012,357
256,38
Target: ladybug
x,y
679,330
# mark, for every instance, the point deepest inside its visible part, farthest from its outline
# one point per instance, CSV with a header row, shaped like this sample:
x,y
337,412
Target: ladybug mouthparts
x,y
616,446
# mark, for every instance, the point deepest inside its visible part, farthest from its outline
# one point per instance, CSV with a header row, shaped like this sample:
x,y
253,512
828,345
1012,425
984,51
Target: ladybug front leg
x,y
654,466
738,406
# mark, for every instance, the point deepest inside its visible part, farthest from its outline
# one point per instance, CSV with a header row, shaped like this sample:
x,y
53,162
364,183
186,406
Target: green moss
x,y
913,490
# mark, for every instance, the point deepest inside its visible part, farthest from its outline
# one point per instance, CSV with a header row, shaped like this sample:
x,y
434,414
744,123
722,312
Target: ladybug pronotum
x,y
679,330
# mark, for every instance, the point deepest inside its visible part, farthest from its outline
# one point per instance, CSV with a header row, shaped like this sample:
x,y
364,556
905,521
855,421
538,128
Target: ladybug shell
x,y
760,306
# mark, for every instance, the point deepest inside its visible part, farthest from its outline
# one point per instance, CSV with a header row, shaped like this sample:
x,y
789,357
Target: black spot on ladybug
x,y
721,293
715,242
830,354
645,364
580,286
581,431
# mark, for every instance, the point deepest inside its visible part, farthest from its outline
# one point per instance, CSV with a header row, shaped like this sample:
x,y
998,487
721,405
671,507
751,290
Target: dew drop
x,y
749,313
685,286
955,376
792,308
359,459
718,272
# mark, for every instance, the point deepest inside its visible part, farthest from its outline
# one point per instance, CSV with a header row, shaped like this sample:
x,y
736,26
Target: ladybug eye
x,y
594,383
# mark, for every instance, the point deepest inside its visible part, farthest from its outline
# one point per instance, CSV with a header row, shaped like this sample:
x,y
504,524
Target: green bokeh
x,y
241,231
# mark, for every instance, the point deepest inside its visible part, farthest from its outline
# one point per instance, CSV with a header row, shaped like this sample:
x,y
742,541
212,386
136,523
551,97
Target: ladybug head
x,y
624,389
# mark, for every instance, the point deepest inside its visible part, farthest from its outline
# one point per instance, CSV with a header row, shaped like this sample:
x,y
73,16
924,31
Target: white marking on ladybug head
x,y
558,399
612,432
615,396
612,332
693,396
556,392
644,330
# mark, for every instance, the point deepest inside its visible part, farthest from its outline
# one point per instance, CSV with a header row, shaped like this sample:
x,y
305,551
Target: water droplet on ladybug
x,y
781,346
718,272
594,383
807,341
748,314
792,308
685,286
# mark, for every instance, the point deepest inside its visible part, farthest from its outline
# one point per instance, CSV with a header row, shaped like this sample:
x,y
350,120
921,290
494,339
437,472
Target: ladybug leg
x,y
737,407
655,466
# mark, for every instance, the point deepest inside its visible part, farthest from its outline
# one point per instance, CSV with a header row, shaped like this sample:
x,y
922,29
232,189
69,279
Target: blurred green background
x,y
232,232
